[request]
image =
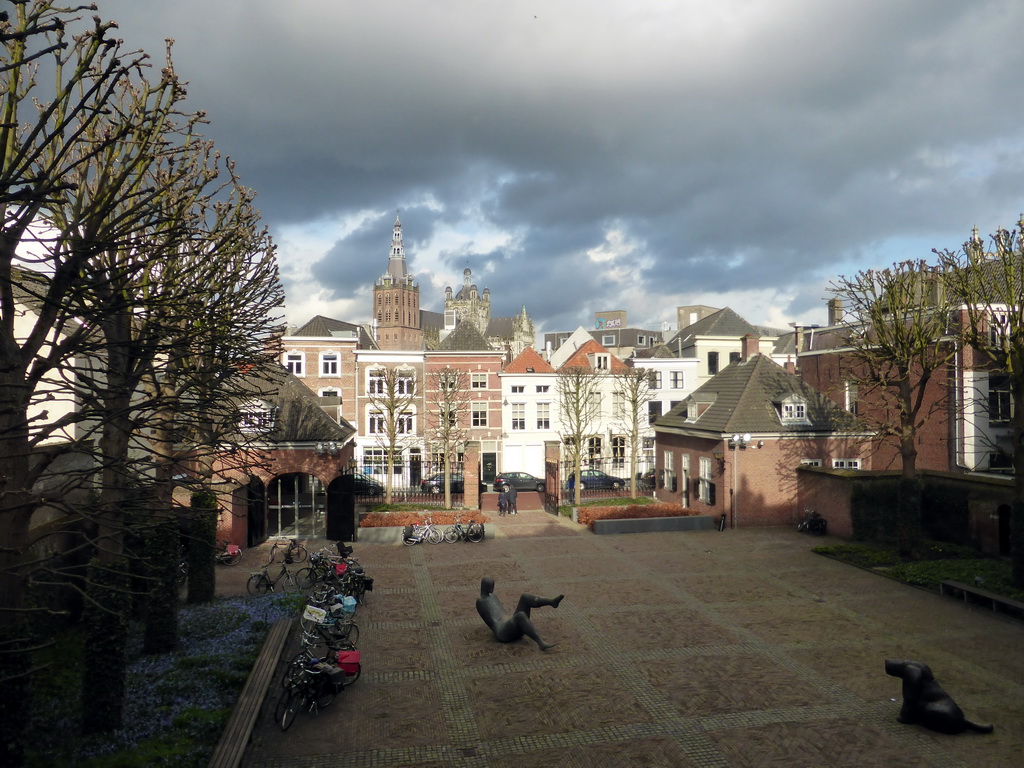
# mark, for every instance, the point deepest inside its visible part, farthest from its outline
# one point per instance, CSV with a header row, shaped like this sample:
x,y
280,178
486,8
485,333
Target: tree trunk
x,y
106,618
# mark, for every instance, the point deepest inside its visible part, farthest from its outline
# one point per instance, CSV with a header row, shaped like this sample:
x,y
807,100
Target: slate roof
x,y
466,338
502,327
527,359
321,327
660,351
431,320
745,397
724,322
299,415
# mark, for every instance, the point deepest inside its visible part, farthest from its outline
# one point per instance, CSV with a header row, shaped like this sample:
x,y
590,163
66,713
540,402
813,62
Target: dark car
x,y
596,479
435,483
366,486
647,480
521,481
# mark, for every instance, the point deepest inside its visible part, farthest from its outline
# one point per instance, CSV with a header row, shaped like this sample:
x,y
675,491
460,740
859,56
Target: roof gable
x,y
465,338
529,361
581,358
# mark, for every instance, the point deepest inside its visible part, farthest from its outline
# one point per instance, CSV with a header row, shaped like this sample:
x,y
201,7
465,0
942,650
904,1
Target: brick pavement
x,y
703,650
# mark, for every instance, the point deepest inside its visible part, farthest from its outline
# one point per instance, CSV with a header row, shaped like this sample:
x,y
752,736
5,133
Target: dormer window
x,y
793,409
599,362
257,417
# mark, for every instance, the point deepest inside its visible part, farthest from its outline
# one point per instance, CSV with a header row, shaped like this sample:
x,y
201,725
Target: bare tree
x,y
899,337
392,395
988,288
633,386
447,418
578,389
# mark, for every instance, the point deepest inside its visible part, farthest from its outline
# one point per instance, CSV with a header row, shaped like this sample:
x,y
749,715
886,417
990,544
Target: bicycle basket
x,y
349,661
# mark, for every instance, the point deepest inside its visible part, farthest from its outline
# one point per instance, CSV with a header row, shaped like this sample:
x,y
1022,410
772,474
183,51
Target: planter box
x,y
656,524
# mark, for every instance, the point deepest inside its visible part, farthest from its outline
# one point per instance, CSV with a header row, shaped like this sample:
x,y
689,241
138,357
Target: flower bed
x,y
391,519
587,515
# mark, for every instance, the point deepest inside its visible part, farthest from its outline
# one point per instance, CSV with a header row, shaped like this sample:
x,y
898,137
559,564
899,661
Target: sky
x,y
583,156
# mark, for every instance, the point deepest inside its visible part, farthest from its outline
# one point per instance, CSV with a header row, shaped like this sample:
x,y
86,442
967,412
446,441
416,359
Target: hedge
x,y
391,519
587,515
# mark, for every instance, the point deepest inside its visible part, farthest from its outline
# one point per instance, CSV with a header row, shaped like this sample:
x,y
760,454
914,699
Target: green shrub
x,y
864,555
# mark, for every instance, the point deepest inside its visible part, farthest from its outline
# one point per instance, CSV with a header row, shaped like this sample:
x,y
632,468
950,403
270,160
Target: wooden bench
x,y
979,596
238,731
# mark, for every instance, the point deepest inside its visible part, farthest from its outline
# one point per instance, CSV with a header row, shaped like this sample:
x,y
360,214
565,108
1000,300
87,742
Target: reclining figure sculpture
x,y
508,629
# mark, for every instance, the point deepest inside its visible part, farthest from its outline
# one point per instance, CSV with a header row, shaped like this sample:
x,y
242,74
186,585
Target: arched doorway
x,y
296,506
1003,514
256,505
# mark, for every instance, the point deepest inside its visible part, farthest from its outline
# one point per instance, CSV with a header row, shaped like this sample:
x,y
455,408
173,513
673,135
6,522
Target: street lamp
x,y
737,441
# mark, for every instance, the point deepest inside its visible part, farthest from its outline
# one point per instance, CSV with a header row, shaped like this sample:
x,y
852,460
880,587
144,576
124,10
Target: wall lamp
x,y
330,448
740,441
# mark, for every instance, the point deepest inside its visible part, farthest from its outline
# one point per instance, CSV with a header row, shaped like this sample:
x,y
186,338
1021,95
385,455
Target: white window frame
x,y
478,414
295,362
608,340
810,462
845,463
518,389
543,388
678,380
330,364
478,380
517,416
544,415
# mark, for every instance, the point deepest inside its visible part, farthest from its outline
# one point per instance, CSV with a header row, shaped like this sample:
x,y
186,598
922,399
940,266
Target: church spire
x,y
396,264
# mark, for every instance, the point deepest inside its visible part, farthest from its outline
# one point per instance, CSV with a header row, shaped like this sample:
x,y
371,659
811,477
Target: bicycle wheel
x,y
234,559
350,634
349,679
291,584
475,532
287,707
434,536
258,584
451,534
325,694
305,579
299,553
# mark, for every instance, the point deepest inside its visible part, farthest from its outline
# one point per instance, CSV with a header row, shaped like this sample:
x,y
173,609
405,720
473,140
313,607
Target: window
x,y
850,397
997,329
706,489
257,417
846,463
376,425
376,383
404,423
478,380
668,479
618,451
518,415
543,388
479,411
595,405
329,364
607,340
594,446
518,389
452,416
641,341
447,380
810,462
654,379
405,384
618,404
678,380
793,409
295,362
543,415
734,357
653,410
601,362
1000,402
330,393
712,364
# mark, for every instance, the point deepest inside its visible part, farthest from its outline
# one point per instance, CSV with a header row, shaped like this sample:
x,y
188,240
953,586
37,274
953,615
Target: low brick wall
x,y
655,524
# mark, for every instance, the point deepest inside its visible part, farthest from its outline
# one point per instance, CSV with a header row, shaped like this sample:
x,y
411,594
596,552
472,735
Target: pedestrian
x,y
502,504
512,493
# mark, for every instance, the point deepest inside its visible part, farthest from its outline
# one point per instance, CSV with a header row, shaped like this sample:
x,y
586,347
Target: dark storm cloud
x,y
725,146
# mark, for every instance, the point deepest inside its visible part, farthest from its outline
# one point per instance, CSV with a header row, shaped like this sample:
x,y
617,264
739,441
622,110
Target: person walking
x,y
512,494
502,503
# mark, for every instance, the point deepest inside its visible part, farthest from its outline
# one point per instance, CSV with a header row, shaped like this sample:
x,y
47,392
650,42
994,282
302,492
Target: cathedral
x,y
399,323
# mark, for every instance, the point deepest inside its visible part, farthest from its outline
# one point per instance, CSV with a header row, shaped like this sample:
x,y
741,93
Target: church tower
x,y
396,301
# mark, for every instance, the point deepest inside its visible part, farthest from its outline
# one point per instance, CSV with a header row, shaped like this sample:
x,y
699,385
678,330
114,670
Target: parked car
x,y
596,479
435,483
366,486
521,481
647,480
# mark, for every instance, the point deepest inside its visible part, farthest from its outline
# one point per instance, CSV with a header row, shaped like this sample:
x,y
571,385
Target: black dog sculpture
x,y
924,701
508,629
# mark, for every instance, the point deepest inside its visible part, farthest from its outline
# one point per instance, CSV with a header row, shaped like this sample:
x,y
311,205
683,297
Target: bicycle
x,y
425,531
228,554
293,551
813,523
260,582
313,685
472,532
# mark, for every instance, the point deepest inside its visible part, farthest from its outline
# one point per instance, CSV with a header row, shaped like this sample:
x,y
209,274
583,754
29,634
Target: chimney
x,y
835,311
751,346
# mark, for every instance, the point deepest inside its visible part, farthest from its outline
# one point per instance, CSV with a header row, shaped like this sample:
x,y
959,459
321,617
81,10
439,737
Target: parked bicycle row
x,y
328,660
428,531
